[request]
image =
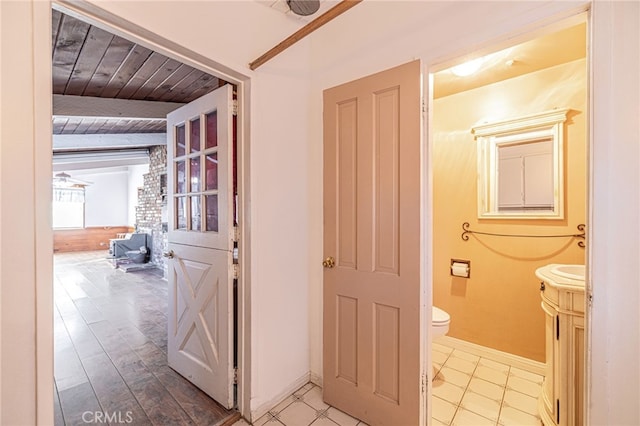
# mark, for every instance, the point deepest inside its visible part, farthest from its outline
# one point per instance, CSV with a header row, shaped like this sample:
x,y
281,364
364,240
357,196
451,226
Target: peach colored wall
x,y
499,306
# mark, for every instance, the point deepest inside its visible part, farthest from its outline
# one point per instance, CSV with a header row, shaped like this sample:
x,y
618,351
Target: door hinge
x,y
424,382
234,106
234,243
424,106
235,271
557,327
235,375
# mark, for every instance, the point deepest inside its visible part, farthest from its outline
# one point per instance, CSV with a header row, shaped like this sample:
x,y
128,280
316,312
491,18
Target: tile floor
x,y
467,390
470,390
303,408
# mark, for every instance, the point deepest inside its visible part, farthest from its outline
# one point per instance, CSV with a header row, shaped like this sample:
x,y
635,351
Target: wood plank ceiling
x,y
88,61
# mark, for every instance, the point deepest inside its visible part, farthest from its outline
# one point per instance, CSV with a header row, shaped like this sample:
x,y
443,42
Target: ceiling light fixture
x,y
304,7
64,180
467,68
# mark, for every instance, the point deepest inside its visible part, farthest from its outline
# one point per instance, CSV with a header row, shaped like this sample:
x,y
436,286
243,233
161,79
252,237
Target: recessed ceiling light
x,y
467,68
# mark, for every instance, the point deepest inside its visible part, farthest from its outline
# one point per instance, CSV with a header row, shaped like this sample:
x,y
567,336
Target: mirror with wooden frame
x,y
520,167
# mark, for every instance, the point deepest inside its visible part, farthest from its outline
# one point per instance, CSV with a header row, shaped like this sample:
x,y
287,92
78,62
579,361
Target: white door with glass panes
x,y
200,233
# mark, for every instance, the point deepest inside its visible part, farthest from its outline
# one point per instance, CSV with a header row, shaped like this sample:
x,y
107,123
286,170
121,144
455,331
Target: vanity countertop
x,y
549,275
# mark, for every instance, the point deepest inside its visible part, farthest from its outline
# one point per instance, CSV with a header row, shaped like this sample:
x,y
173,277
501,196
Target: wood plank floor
x,y
110,331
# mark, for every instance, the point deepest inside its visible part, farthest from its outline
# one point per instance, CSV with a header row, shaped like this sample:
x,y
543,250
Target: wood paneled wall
x,y
86,239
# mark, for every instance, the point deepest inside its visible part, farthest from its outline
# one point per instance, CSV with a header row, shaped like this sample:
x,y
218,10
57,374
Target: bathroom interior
x,y
496,307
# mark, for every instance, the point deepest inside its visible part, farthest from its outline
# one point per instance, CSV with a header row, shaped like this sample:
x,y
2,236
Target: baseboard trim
x,y
315,379
284,394
494,354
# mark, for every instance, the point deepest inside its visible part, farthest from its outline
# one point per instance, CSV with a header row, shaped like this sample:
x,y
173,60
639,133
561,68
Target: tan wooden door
x,y
200,233
372,298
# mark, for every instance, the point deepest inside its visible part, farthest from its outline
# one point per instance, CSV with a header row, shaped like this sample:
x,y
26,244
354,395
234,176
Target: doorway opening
x,y
111,97
494,355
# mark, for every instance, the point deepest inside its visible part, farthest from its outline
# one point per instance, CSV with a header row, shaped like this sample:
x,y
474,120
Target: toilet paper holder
x,y
460,268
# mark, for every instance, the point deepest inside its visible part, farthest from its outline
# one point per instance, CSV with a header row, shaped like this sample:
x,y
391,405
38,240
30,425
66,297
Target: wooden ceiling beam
x,y
329,15
87,106
63,161
107,141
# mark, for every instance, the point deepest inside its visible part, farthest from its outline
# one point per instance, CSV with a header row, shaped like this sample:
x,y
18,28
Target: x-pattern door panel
x,y
200,317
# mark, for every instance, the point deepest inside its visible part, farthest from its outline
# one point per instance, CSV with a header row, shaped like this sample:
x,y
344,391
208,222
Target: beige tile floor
x,y
470,390
303,408
467,390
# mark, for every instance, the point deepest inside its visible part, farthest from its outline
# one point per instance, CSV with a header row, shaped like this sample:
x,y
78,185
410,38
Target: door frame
x,y
116,25
553,23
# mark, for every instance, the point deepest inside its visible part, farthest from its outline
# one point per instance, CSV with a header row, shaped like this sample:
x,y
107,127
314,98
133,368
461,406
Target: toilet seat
x,y
439,317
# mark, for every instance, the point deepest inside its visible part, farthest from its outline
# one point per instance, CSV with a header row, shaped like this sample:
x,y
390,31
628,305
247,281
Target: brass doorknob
x,y
169,254
329,262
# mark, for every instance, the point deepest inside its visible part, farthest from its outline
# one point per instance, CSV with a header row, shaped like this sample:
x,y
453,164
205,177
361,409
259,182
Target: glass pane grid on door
x,y
196,175
194,139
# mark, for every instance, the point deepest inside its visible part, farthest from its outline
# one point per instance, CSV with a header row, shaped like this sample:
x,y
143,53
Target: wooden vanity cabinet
x,y
562,399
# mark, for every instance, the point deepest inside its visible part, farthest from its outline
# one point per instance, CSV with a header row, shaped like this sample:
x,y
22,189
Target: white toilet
x,y
439,322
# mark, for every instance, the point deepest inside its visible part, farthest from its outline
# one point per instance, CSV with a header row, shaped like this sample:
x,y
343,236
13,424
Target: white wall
x,y
112,197
280,231
615,228
25,208
135,181
107,198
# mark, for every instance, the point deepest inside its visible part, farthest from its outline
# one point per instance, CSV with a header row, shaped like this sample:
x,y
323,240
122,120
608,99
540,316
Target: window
x,y
68,208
